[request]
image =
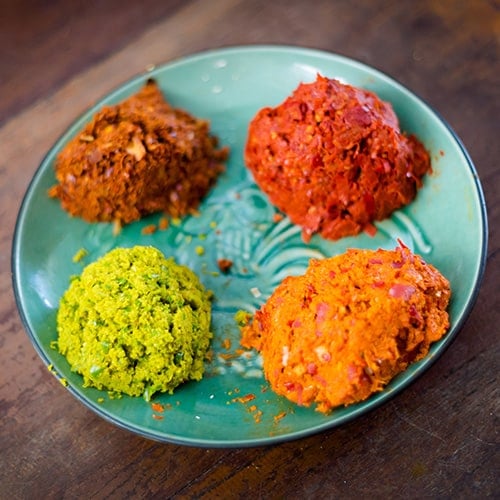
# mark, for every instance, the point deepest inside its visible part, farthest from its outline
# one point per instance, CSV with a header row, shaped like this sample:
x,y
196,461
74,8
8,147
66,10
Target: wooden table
x,y
436,439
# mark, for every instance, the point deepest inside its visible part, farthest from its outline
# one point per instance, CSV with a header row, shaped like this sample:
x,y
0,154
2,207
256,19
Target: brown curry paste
x,y
135,158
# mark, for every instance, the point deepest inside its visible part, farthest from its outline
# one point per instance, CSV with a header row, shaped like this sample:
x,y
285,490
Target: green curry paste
x,y
135,322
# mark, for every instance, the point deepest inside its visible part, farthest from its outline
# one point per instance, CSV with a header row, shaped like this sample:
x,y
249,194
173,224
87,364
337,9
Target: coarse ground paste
x,y
345,328
135,322
332,157
138,157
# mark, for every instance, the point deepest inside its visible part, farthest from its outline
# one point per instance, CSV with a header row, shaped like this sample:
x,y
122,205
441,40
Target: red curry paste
x,y
332,157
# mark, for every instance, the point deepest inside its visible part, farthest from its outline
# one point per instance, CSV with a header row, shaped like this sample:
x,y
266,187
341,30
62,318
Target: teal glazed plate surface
x,y
233,406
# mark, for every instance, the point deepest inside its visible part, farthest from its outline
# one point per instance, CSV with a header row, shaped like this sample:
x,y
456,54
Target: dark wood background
x,y
439,438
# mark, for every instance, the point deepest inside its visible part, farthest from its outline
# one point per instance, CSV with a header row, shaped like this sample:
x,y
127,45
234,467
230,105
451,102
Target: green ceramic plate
x,y
446,224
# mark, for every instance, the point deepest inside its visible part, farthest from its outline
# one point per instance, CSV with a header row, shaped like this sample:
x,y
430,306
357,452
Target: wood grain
x,y
437,439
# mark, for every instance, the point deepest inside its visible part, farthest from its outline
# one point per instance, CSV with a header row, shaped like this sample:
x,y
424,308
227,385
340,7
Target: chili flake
x,y
158,407
225,265
245,399
163,224
279,416
149,229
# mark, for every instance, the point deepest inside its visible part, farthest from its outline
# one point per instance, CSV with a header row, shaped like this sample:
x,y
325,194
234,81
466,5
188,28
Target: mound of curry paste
x,y
135,322
345,328
135,158
333,158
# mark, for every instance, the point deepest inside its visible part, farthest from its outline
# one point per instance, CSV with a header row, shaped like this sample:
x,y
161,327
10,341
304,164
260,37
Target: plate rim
x,y
375,400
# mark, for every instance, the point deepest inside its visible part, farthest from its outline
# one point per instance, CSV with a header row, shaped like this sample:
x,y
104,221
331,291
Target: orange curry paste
x,y
351,323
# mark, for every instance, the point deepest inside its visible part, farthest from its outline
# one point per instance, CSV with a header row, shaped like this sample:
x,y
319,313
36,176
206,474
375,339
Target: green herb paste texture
x,y
135,322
